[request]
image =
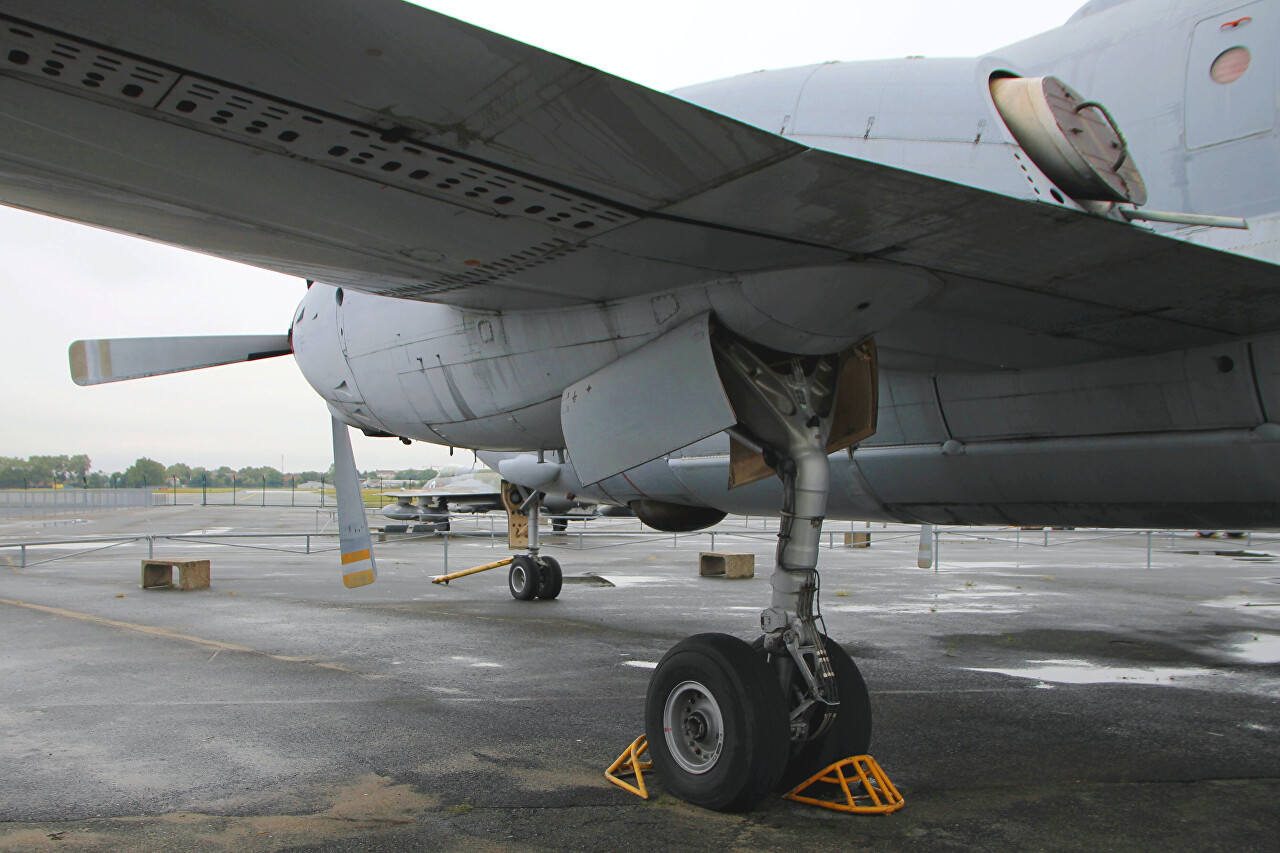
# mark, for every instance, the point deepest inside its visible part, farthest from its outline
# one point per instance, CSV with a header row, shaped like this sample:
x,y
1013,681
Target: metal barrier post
x,y
713,540
1148,549
151,547
1046,537
24,556
308,543
937,551
445,533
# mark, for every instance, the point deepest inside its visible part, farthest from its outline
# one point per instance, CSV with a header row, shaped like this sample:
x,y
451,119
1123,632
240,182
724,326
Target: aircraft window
x,y
1230,65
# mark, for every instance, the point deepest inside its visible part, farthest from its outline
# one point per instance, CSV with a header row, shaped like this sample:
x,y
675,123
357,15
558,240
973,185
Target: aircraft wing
x,y
387,148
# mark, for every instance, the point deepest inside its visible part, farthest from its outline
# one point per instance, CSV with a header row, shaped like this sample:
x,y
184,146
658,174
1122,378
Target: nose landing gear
x,y
531,575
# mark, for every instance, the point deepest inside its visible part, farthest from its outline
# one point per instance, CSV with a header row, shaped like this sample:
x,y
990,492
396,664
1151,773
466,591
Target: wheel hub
x,y
693,726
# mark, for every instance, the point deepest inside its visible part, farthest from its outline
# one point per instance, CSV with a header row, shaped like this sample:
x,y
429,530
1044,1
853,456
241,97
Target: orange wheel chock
x,y
630,764
875,793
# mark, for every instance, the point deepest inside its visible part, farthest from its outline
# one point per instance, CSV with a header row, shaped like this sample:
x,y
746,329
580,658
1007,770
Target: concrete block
x,y
192,574
857,540
715,563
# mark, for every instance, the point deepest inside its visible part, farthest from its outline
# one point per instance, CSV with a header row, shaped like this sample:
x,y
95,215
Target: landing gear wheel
x,y
849,733
550,579
522,578
716,723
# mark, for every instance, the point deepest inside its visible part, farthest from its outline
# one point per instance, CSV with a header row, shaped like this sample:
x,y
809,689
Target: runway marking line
x,y
174,635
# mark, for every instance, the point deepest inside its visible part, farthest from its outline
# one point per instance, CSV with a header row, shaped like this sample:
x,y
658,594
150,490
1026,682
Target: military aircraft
x,y
455,489
1010,288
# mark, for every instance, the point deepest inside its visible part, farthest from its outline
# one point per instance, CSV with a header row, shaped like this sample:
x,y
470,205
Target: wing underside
x,y
387,148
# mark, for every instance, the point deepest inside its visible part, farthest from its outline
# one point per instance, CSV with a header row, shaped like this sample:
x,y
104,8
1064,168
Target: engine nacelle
x,y
676,518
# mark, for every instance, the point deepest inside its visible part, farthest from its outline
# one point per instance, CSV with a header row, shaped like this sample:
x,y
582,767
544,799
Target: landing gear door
x,y
853,416
517,524
659,398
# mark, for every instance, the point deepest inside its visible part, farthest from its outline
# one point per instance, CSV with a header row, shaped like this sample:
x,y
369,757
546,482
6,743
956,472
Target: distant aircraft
x,y
456,490
929,290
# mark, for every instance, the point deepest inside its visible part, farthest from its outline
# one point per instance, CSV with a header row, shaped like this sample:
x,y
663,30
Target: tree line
x,y
43,472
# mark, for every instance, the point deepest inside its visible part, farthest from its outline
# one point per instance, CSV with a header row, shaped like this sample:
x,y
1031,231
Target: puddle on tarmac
x,y
1265,605
930,607
591,580
979,600
476,662
1257,648
1072,671
633,580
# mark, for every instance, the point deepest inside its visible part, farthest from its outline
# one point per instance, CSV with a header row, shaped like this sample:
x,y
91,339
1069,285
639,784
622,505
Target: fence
x,y
604,533
39,503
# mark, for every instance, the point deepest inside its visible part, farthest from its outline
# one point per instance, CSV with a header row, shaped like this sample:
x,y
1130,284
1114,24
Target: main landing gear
x,y
531,575
729,723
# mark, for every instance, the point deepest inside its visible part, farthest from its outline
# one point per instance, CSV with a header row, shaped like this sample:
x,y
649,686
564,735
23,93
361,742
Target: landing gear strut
x,y
531,575
728,724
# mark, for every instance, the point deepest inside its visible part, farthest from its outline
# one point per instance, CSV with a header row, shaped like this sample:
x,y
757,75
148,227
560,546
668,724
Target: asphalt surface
x,y
1026,697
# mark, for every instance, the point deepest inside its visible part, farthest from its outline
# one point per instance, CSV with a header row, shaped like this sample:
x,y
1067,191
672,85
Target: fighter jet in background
x,y
455,489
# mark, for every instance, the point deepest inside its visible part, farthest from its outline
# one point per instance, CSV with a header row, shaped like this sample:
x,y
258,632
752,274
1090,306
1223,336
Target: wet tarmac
x,y
1027,697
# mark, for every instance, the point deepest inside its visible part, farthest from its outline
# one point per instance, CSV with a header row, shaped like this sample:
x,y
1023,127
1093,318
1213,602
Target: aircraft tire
x,y
550,579
717,723
522,578
850,732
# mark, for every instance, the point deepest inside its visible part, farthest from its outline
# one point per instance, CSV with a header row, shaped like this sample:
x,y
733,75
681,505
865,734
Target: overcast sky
x,y
62,281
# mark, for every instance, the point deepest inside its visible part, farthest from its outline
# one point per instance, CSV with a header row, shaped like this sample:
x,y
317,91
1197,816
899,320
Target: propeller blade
x,y
117,359
356,546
